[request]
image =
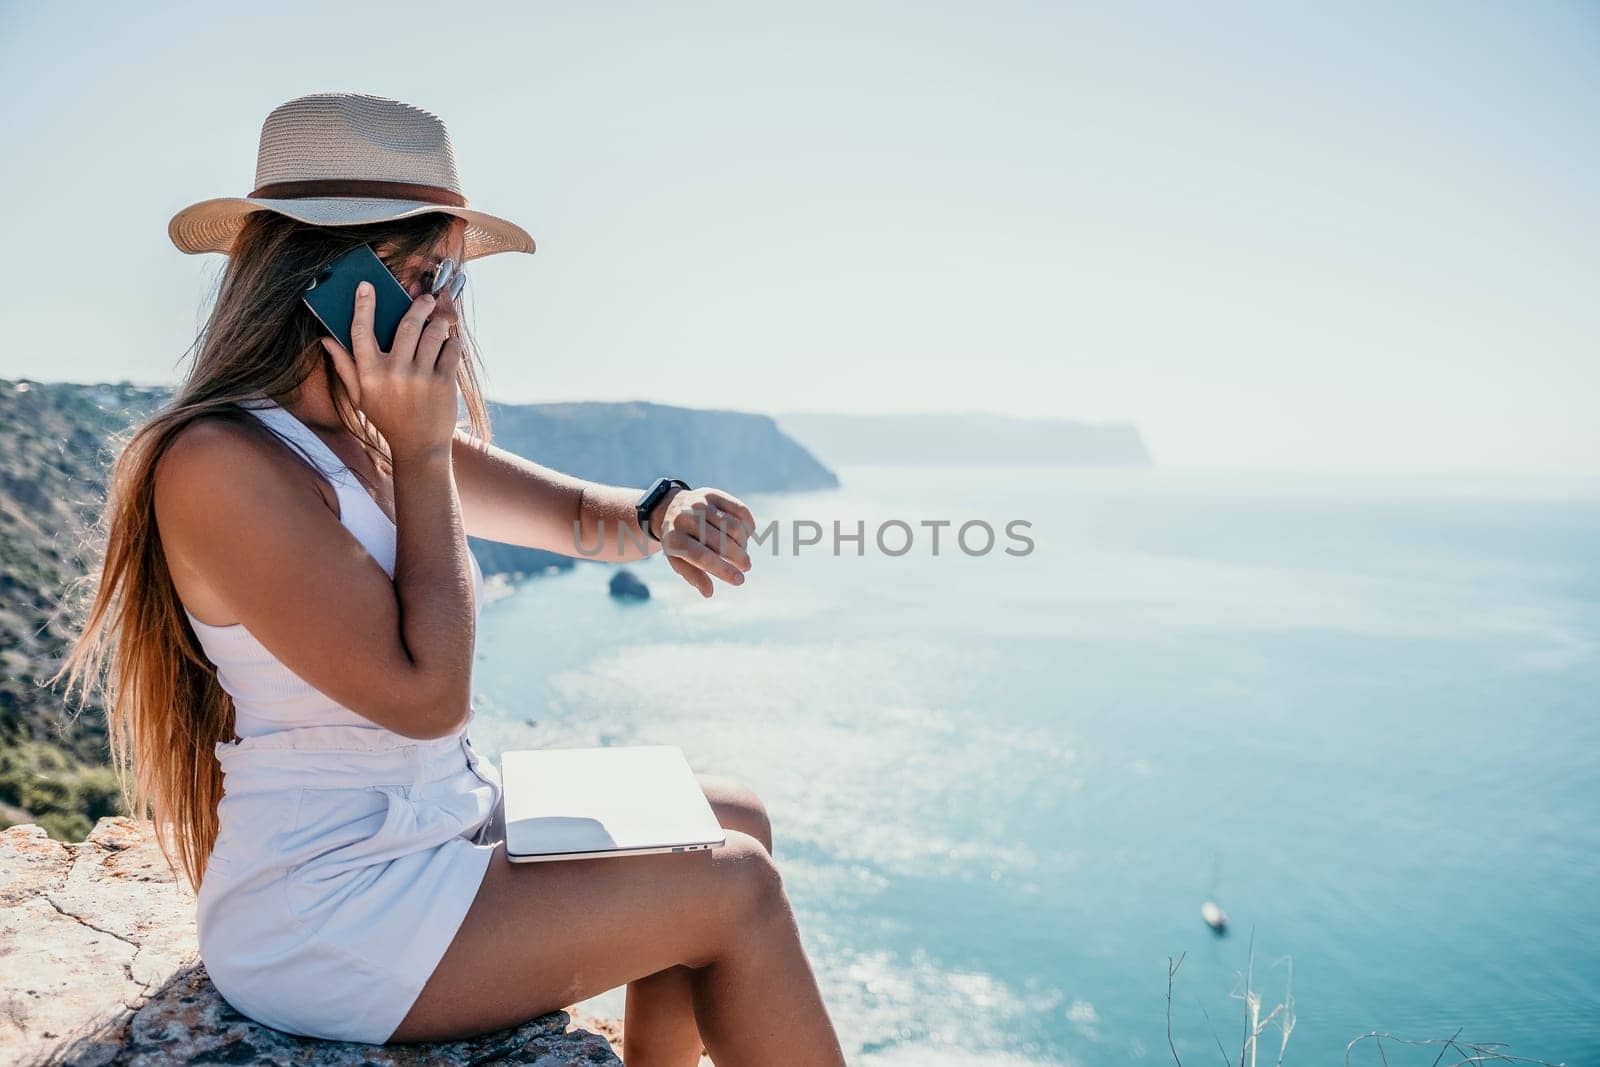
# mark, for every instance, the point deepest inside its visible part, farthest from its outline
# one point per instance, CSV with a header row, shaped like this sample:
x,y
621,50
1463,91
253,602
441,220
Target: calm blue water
x,y
1360,713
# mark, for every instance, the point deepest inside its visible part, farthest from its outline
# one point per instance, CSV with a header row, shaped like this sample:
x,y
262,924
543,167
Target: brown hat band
x,y
359,187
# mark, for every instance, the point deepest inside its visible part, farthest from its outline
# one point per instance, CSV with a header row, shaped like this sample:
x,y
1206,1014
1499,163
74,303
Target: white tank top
x,y
267,695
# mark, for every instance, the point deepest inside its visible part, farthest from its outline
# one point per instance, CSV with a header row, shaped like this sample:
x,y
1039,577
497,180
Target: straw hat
x,y
343,159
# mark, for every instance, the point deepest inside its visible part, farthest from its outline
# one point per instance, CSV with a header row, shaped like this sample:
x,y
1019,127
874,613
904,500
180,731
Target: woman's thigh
x,y
540,936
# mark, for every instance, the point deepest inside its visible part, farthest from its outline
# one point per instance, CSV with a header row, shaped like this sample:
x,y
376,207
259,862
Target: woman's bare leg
x,y
540,936
658,1028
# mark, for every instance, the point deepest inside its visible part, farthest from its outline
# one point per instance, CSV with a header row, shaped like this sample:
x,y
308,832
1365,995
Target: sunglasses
x,y
447,273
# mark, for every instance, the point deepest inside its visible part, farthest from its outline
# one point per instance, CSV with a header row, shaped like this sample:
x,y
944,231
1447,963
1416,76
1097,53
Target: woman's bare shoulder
x,y
220,462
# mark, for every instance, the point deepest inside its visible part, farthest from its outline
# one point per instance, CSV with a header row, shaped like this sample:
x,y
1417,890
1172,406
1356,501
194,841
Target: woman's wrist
x,y
658,514
421,454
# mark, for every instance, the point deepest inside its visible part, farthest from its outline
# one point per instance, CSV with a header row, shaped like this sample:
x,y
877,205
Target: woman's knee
x,y
738,807
750,879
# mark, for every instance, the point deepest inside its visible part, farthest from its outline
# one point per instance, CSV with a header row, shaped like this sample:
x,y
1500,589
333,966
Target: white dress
x,y
347,854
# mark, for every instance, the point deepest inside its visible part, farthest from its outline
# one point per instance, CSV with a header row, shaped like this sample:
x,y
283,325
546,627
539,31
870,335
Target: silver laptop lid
x,y
566,802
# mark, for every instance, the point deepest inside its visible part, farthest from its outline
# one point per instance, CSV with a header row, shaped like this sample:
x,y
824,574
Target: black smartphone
x,y
331,296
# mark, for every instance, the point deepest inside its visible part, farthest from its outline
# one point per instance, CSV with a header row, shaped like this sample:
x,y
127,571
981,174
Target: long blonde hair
x,y
165,709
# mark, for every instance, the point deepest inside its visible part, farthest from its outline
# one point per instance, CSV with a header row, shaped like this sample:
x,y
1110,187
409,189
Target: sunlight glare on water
x,y
1359,713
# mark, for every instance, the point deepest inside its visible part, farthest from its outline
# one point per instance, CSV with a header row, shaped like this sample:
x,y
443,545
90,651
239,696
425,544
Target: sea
x,y
1358,712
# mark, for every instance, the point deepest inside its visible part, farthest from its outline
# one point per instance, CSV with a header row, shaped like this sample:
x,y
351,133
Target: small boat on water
x,y
1214,916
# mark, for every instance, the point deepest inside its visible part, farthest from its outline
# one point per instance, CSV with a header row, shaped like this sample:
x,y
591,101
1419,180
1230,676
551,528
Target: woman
x,y
284,631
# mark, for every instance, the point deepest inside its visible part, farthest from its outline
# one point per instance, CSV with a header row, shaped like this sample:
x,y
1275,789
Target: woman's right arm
x,y
433,587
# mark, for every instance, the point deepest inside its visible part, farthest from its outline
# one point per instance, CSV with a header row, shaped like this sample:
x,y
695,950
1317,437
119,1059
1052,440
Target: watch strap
x,y
651,497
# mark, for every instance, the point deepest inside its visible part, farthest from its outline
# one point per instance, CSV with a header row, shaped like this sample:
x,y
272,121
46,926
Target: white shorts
x,y
345,860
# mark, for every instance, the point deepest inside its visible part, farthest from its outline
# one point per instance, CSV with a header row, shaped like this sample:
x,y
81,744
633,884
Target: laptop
x,y
623,800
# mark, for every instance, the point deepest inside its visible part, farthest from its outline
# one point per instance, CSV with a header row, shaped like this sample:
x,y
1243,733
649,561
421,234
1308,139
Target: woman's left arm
x,y
505,497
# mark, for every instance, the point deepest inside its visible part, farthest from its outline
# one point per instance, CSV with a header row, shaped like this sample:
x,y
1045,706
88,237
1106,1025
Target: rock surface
x,y
99,964
625,585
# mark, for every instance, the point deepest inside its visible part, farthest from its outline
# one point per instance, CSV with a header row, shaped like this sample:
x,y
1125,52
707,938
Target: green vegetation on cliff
x,y
53,458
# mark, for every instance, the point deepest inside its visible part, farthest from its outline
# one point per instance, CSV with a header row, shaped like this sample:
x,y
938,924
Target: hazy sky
x,y
1270,234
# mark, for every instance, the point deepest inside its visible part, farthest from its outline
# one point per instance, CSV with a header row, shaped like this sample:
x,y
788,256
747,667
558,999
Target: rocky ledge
x,y
99,965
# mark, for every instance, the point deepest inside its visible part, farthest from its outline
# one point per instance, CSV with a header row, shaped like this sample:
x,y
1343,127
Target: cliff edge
x,y
99,964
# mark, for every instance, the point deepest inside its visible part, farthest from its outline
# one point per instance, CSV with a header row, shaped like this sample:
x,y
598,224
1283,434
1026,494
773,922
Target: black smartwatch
x,y
653,496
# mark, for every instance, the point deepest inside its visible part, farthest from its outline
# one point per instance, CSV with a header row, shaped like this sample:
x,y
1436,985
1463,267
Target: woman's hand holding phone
x,y
409,392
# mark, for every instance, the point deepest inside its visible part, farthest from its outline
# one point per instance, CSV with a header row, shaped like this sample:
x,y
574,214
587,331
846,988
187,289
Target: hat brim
x,y
211,225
